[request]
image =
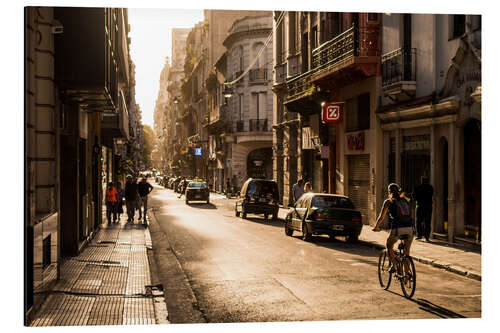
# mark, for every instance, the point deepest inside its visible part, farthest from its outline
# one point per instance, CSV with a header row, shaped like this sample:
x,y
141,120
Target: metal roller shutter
x,y
359,183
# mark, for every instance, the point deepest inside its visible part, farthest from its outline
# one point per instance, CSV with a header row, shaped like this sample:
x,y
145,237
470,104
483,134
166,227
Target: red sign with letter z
x,y
332,112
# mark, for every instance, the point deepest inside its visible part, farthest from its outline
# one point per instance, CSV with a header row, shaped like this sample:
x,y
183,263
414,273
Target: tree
x,y
149,144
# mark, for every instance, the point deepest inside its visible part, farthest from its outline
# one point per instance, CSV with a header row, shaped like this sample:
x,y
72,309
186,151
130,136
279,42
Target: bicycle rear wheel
x,y
384,264
409,280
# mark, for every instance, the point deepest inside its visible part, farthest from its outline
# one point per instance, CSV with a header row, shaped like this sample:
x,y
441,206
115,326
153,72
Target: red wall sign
x,y
332,112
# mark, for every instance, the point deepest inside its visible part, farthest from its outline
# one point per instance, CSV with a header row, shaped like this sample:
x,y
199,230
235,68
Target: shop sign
x,y
325,152
197,151
332,112
356,141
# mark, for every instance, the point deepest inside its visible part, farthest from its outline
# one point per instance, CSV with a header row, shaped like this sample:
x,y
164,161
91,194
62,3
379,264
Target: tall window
x,y
358,113
458,26
292,31
240,107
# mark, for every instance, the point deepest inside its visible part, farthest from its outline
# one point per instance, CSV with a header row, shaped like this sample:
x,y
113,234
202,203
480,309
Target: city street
x,y
235,270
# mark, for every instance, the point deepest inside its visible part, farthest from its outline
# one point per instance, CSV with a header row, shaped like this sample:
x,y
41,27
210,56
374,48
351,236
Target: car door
x,y
298,213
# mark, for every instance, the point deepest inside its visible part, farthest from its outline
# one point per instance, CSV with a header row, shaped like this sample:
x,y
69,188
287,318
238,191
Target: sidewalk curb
x,y
177,290
438,264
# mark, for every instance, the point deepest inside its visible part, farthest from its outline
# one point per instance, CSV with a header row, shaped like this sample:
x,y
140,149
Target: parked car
x,y
320,214
258,196
197,191
175,185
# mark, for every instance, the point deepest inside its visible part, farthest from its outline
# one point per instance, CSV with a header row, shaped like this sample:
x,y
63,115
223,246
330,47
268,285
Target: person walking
x,y
120,194
228,188
144,188
298,190
131,196
423,195
111,202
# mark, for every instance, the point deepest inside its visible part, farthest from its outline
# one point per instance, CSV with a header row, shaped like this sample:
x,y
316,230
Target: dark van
x,y
258,196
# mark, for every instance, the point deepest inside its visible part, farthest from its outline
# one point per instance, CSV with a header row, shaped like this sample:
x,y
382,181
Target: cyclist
x,y
400,221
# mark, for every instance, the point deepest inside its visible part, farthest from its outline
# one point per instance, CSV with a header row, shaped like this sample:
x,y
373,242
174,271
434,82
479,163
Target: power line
x,y
269,38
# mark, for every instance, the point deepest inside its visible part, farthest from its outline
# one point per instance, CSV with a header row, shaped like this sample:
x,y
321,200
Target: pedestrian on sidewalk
x,y
228,188
144,188
298,190
131,196
111,202
120,195
308,187
423,195
400,221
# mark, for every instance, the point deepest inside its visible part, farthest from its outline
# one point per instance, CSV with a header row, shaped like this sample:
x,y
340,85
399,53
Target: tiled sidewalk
x,y
105,284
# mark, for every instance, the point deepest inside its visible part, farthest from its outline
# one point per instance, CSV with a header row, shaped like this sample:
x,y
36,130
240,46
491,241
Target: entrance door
x,y
359,183
472,175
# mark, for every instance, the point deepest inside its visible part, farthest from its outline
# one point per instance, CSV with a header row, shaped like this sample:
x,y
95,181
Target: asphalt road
x,y
218,268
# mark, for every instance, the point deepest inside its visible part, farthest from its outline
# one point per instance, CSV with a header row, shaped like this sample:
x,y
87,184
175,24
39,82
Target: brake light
x,y
246,200
319,216
187,190
356,219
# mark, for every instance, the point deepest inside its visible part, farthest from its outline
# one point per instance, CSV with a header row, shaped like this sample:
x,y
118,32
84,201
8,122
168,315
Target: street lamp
x,y
228,91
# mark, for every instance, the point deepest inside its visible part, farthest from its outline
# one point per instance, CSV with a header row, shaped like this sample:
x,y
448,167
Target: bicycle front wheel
x,y
384,264
409,279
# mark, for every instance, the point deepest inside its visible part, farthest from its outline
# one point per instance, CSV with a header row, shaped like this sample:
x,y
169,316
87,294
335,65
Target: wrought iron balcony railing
x,y
258,75
398,66
280,74
257,125
300,86
240,126
336,50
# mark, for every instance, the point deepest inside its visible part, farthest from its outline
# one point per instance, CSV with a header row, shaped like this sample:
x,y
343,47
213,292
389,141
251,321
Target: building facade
x,y
430,115
77,99
249,116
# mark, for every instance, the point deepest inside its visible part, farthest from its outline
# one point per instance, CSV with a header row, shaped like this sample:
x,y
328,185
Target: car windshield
x,y
331,202
197,185
262,188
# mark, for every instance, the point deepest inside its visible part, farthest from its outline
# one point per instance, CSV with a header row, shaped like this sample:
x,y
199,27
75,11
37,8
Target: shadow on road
x,y
201,205
340,244
436,309
273,223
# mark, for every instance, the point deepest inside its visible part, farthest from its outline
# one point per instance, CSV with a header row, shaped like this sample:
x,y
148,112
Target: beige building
x,y
431,114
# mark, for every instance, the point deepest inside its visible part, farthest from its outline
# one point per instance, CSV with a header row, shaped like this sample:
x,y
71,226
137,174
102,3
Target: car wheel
x,y
275,216
208,201
187,202
266,216
306,235
236,211
288,229
332,237
353,238
243,213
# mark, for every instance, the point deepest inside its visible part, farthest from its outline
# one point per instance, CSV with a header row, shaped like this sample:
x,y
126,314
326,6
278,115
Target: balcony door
x,y
407,47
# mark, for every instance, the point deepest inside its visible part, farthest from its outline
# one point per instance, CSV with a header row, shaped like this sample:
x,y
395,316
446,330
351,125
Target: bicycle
x,y
403,263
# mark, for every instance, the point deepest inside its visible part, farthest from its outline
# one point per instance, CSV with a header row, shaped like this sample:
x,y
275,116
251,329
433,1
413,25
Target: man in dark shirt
x,y
130,197
144,188
423,195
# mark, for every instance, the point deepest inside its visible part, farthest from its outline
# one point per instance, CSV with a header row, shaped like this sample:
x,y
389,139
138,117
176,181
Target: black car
x,y
197,191
258,196
320,214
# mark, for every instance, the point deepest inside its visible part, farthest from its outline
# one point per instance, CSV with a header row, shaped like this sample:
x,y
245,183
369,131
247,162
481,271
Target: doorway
x,y
472,180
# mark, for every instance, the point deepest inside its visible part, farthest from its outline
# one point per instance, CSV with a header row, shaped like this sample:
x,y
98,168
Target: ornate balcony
x,y
258,75
279,74
399,74
350,57
240,126
257,125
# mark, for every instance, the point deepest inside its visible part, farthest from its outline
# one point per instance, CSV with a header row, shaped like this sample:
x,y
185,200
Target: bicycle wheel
x,y
409,280
384,277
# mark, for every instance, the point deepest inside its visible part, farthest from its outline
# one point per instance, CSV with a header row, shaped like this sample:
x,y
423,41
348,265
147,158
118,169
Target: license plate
x,y
263,200
197,196
337,227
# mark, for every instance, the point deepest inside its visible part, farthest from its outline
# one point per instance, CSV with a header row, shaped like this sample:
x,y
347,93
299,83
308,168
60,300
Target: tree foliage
x,y
147,148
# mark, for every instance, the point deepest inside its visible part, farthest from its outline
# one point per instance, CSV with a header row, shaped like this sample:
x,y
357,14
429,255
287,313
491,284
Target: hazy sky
x,y
151,34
